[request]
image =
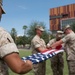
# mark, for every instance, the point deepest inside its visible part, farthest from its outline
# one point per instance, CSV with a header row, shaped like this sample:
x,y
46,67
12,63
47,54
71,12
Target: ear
x,y
0,13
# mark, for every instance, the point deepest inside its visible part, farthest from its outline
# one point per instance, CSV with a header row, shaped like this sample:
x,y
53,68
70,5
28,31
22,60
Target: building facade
x,y
60,14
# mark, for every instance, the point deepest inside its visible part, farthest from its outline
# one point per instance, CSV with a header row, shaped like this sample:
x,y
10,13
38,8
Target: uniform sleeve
x,y
66,38
50,43
7,49
7,44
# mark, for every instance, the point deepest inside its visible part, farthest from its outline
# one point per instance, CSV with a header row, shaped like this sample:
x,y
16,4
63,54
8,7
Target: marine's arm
x,y
63,40
37,45
56,44
50,43
16,64
10,54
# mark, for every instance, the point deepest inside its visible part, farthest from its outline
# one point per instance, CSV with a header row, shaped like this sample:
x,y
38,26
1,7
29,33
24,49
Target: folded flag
x,y
42,56
58,47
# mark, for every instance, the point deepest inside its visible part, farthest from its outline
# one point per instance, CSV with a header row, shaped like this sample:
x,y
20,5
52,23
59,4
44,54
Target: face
x,y
59,36
39,32
67,31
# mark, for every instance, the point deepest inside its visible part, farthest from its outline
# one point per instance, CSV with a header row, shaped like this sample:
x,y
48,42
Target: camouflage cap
x,y
66,27
39,27
60,32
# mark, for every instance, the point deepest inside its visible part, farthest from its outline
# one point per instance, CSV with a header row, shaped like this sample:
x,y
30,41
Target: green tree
x,y
22,40
31,32
13,33
73,26
25,27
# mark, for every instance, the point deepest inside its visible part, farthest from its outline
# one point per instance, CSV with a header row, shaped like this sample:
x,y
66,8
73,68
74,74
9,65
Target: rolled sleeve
x,y
51,42
66,38
7,49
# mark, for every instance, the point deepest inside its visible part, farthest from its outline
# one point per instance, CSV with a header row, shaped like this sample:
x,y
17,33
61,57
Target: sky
x,y
24,12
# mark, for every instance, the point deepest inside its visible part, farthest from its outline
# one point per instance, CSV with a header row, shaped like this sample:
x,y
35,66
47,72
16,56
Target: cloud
x,y
20,34
22,7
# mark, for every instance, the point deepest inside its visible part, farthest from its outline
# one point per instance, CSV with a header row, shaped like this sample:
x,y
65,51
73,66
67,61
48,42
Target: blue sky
x,y
24,12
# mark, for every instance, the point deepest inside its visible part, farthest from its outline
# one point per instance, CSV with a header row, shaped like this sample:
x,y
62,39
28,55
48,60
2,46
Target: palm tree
x,y
25,27
13,33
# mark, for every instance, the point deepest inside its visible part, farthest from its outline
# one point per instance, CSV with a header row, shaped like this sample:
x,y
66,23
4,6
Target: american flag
x,y
39,57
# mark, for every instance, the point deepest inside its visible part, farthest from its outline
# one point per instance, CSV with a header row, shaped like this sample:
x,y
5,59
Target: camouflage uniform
x,y
69,41
7,46
39,69
57,62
